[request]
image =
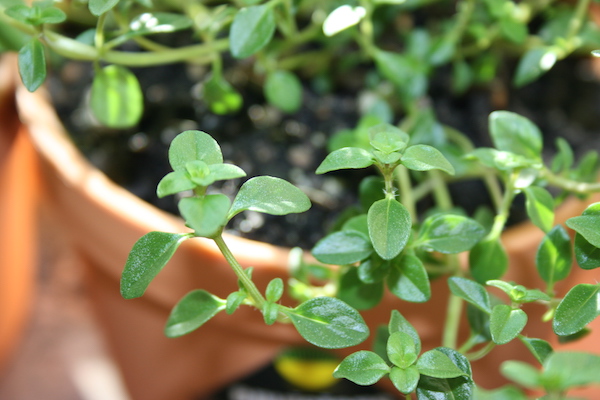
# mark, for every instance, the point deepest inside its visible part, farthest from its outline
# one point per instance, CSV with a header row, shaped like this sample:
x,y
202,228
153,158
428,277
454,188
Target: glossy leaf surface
x,y
516,134
193,145
450,234
405,379
346,158
329,322
206,215
470,291
389,227
421,157
363,368
488,260
409,281
506,323
251,30
554,256
341,248
269,195
540,207
191,312
146,259
579,307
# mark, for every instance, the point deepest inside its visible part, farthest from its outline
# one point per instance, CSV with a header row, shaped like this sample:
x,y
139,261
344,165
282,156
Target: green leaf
x,y
146,259
586,254
194,146
358,294
554,256
421,157
116,98
587,224
538,347
507,392
346,158
341,248
408,280
400,324
516,134
191,312
32,64
99,7
206,215
578,308
234,300
269,195
274,290
401,349
41,12
565,370
389,227
521,373
460,387
470,291
174,182
540,207
403,70
506,323
488,260
329,322
388,138
513,29
220,96
405,379
251,30
284,91
270,312
534,64
479,322
449,234
363,368
437,364
371,189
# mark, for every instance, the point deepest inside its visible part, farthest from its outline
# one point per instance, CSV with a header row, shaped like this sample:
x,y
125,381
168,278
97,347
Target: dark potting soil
x,y
263,141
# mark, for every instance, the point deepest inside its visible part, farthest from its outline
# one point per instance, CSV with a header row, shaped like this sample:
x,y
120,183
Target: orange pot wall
x,y
18,235
104,221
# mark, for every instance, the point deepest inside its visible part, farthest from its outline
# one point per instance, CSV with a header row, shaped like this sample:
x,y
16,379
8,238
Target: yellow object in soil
x,y
306,369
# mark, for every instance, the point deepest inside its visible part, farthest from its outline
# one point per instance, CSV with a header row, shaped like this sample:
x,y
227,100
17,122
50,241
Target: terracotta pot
x,y
18,197
104,221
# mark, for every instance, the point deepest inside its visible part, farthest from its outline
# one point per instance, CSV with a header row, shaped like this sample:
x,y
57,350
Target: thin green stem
x,y
79,51
504,210
476,355
569,184
99,36
576,21
453,310
253,292
440,190
406,193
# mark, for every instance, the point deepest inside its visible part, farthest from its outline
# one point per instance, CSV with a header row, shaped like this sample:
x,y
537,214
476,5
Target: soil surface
x,y
263,141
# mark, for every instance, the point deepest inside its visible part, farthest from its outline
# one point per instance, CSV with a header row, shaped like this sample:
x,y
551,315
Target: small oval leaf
x,y
269,195
363,368
191,312
389,227
578,308
329,323
506,323
32,64
116,98
251,30
146,259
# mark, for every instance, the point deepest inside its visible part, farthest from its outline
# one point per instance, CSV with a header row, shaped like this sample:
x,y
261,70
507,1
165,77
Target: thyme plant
x,y
390,245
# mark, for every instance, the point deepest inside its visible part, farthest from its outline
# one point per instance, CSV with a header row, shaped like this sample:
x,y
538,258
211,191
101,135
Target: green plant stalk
x,y
99,35
481,352
440,190
257,298
577,21
502,214
406,193
453,310
569,184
